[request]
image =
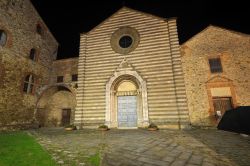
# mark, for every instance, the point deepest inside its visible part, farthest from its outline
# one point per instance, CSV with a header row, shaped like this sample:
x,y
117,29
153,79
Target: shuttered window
x,y
215,65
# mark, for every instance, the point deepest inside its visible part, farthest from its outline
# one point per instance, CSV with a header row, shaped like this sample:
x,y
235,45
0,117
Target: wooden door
x,y
66,117
221,105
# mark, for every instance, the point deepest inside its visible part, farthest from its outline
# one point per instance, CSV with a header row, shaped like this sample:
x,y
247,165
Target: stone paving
x,y
146,148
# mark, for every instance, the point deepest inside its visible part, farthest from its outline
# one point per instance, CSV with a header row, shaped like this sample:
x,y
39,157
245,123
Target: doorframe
x,y
111,109
219,82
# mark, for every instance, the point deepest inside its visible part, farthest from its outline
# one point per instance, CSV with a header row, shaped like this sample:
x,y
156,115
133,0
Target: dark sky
x,y
66,19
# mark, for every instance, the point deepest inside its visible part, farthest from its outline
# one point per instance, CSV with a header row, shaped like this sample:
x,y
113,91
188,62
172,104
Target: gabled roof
x,y
215,27
132,10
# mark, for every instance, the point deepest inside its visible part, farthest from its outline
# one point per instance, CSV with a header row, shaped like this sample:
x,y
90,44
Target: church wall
x,y
233,49
19,20
156,59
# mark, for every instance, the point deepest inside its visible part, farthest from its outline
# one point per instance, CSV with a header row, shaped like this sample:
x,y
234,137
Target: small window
x,y
59,79
39,29
28,85
125,41
74,77
3,38
215,65
33,54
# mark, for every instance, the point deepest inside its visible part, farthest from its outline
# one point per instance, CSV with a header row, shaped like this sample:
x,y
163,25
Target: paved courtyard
x,y
146,148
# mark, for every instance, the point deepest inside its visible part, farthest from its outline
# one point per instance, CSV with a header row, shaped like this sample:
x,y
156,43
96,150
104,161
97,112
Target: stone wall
x,y
65,68
50,106
19,20
234,51
58,96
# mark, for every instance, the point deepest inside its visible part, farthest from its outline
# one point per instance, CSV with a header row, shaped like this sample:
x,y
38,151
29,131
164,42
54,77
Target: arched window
x,y
28,85
3,38
33,53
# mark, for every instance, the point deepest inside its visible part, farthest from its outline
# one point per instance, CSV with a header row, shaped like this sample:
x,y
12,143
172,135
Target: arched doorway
x,y
55,106
126,101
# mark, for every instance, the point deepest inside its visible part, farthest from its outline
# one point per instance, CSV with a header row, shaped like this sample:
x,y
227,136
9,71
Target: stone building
x,y
57,102
216,66
27,51
130,74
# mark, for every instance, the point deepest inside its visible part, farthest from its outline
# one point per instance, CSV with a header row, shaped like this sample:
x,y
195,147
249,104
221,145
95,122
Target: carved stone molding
x,y
111,111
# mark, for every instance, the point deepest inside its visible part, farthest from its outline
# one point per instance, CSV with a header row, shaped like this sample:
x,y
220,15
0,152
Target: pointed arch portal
x,y
126,100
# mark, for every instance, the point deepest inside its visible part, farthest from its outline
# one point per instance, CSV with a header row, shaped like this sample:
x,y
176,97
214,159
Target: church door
x,y
127,116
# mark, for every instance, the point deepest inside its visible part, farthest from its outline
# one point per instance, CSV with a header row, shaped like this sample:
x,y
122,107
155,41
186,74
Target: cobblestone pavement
x,y
146,148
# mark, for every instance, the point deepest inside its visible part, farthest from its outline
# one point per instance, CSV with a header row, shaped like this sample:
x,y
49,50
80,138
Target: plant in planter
x,y
103,127
70,127
152,127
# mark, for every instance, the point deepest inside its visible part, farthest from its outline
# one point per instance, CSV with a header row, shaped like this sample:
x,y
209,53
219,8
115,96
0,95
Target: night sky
x,y
66,19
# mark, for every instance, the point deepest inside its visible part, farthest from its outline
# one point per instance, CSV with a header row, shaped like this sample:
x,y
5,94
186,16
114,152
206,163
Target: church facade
x,y
130,73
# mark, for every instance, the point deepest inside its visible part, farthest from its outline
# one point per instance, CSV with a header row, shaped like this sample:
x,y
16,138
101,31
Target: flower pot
x,y
69,128
103,129
152,129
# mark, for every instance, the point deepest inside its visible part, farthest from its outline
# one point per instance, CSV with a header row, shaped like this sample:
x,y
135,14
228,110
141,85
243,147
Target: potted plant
x,y
103,127
70,127
152,127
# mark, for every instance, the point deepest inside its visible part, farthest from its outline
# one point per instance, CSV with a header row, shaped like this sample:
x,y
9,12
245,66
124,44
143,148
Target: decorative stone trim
x,y
118,34
110,115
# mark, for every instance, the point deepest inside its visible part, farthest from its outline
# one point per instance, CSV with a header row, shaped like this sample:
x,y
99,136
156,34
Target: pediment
x,y
124,65
218,79
123,12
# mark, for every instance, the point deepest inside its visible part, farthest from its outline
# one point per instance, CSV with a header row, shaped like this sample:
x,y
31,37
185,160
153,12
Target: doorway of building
x,y
221,105
127,111
65,117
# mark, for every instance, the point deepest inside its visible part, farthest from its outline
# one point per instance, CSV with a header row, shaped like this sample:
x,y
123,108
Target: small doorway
x,y
65,117
221,105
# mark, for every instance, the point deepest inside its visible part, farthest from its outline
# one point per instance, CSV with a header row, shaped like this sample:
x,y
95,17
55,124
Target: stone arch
x,y
52,104
111,111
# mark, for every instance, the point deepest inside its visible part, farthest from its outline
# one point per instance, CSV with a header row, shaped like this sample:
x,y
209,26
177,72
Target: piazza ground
x,y
141,147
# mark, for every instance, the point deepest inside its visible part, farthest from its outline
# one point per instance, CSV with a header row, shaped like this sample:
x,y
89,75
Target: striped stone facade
x,y
155,62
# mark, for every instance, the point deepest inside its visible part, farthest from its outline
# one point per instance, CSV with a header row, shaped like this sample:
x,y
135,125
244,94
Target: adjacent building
x,y
27,52
57,100
216,67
